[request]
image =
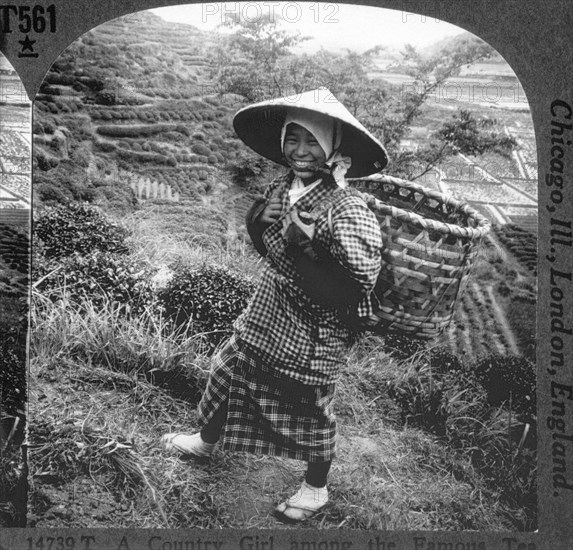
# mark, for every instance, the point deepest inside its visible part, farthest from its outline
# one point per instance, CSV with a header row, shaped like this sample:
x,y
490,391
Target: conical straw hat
x,y
259,126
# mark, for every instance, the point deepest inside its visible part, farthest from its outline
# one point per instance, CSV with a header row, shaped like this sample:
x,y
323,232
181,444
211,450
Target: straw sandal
x,y
304,504
188,445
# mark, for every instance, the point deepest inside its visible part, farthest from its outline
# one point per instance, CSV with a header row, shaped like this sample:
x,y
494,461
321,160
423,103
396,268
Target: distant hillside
x,y
391,59
133,96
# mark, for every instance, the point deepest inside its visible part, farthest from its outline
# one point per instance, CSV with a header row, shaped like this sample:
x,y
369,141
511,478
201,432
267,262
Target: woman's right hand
x,y
272,211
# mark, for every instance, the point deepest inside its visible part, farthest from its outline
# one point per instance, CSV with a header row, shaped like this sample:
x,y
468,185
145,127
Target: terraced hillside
x,y
159,120
15,148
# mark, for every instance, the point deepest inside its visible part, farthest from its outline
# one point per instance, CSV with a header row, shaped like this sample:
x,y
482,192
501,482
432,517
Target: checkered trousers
x,y
268,412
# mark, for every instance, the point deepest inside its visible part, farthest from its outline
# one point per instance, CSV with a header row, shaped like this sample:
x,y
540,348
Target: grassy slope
x,y
98,420
97,417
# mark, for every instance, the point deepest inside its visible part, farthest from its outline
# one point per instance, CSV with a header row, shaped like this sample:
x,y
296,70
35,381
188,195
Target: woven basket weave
x,y
430,243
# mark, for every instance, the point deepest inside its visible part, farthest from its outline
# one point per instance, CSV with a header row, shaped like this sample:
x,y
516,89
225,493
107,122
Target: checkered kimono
x,y
279,369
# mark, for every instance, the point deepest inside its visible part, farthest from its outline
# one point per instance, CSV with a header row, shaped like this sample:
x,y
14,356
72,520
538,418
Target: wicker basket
x,y
430,243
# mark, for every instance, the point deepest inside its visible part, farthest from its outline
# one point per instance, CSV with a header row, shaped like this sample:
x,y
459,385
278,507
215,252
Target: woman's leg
x,y
311,496
199,444
213,405
212,431
317,473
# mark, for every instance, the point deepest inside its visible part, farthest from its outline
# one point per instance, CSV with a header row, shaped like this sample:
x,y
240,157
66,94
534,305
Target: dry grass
x,y
97,418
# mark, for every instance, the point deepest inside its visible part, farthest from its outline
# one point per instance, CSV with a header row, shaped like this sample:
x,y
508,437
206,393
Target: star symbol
x,y
27,44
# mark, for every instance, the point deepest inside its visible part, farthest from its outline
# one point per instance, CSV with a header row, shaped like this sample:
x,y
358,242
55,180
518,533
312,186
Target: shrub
x,y
101,277
45,161
49,193
157,148
509,378
402,346
105,97
136,156
247,169
207,299
45,126
93,84
57,78
182,129
12,377
106,146
201,150
139,130
64,230
119,198
47,89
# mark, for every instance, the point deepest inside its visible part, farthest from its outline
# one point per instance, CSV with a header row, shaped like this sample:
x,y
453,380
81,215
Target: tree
x,y
463,135
266,67
247,61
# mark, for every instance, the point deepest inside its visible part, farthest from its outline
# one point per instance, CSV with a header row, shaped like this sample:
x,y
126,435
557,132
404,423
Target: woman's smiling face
x,y
302,151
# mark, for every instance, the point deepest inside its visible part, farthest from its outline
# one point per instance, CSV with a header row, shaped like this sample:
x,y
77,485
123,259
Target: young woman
x,y
271,387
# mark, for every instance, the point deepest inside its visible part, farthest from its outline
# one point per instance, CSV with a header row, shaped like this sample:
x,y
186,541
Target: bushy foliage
x,y
45,126
206,299
401,345
143,156
64,230
98,277
430,386
468,406
464,133
140,130
201,149
119,198
12,377
105,97
248,169
509,379
44,161
57,78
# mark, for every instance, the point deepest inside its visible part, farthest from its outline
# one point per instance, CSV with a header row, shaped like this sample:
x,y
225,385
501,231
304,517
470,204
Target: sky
x,y
332,26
